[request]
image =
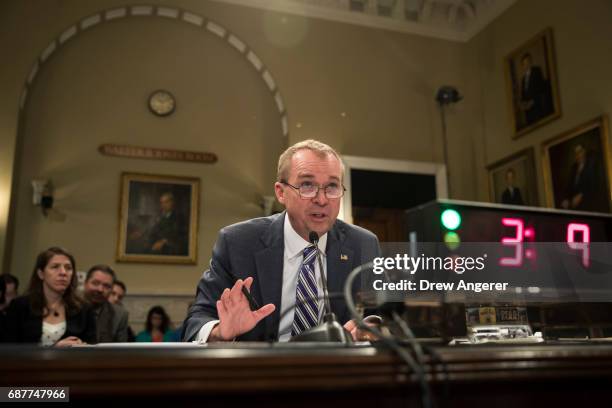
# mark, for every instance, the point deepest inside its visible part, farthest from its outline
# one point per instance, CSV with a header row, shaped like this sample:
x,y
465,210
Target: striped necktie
x,y
307,304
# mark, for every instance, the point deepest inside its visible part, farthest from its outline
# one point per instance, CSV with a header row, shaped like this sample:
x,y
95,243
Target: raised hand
x,y
235,315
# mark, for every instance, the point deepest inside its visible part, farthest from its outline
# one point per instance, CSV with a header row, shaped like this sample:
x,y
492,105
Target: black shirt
x,y
24,326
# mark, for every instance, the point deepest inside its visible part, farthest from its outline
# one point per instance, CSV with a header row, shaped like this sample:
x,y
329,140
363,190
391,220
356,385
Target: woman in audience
x,y
157,327
51,313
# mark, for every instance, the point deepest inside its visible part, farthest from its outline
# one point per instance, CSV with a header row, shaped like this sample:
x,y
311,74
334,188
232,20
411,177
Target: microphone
x,y
330,330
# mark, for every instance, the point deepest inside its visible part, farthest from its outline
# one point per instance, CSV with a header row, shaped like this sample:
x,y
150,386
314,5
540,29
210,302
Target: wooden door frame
x,y
438,170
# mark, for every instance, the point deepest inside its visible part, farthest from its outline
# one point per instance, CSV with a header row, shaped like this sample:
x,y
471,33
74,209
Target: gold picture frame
x,y
578,168
158,219
532,86
512,180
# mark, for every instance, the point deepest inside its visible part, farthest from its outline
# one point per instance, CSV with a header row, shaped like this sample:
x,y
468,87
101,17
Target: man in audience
x,y
9,285
117,293
116,298
111,319
11,289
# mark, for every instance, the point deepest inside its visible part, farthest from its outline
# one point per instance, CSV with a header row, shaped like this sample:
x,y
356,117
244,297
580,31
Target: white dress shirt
x,y
292,260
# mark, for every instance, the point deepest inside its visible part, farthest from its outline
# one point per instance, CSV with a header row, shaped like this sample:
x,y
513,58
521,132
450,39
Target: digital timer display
x,y
578,236
557,263
553,251
483,222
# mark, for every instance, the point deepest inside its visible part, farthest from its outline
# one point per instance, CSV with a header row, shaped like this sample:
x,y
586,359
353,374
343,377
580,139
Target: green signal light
x,y
452,240
451,219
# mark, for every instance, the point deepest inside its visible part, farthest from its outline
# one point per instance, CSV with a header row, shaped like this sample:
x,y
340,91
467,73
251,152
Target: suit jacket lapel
x,y
269,264
104,323
339,261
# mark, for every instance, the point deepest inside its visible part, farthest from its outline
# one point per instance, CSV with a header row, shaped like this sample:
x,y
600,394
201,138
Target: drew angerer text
x,y
426,285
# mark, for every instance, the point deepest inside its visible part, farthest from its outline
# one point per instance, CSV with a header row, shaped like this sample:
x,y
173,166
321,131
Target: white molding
x,y
279,102
496,9
33,73
285,125
424,27
68,34
163,12
254,59
167,12
216,29
237,43
116,13
352,17
267,77
193,19
48,51
90,21
142,10
391,165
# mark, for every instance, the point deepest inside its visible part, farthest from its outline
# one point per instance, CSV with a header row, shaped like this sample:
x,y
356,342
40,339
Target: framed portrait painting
x,y
531,78
577,168
512,180
158,219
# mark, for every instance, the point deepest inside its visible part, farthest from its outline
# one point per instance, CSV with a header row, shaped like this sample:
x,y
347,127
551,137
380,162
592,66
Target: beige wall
x,y
582,37
94,91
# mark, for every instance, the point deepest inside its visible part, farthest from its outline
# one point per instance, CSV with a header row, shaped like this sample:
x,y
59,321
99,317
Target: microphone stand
x,y
330,330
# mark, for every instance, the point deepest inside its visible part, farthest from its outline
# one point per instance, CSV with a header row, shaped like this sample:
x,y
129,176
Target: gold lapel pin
x,y
343,257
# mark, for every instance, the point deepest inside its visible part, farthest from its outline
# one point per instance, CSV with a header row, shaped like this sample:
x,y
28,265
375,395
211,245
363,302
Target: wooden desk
x,y
283,376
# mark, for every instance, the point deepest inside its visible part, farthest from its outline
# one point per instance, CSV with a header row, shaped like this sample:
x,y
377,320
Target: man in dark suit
x,y
111,320
512,194
535,98
270,257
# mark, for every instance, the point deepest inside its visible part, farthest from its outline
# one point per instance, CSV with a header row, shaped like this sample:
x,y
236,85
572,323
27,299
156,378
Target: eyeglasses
x,y
310,190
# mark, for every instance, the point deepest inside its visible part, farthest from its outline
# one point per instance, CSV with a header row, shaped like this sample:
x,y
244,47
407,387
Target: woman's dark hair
x,y
72,302
165,319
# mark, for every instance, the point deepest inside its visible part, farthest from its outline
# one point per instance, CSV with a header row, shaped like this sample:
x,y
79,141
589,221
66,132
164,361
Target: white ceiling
x,y
454,20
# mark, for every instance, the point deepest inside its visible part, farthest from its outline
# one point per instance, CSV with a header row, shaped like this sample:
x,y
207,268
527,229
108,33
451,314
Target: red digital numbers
x,y
583,245
520,233
514,241
520,227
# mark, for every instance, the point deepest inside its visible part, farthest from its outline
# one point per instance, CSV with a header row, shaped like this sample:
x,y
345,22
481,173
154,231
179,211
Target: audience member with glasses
x,y
273,259
111,319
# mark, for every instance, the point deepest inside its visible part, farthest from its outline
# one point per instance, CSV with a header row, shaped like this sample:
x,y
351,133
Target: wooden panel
x,y
270,375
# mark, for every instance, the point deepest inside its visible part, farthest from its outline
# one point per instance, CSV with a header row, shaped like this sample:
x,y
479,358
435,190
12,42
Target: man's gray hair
x,y
321,149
